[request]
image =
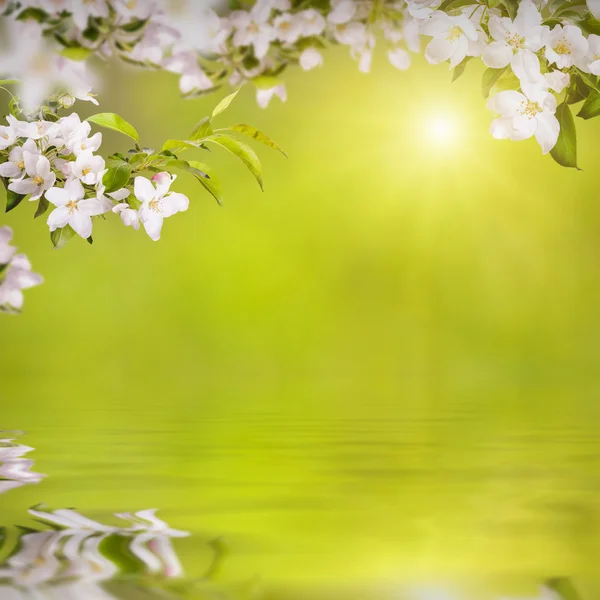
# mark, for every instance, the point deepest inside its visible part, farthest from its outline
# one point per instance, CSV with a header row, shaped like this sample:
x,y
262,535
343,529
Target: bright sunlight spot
x,y
441,129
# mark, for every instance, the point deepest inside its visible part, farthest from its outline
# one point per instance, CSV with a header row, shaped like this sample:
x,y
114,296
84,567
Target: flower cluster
x,y
541,58
15,469
56,163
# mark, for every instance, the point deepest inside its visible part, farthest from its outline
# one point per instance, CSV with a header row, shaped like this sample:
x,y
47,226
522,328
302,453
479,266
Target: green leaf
x,y
12,199
61,236
202,173
117,175
565,150
224,104
241,151
210,183
178,145
43,206
489,80
257,135
76,53
116,123
591,107
8,81
202,129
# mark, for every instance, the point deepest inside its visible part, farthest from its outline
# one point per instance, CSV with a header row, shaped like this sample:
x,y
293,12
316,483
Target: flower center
x,y
86,171
530,109
72,205
563,47
253,28
154,205
40,127
4,135
454,33
83,146
38,180
595,57
285,26
20,164
516,41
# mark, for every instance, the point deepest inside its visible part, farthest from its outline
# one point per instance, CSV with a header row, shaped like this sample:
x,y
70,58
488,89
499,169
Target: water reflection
x,y
15,470
132,556
72,556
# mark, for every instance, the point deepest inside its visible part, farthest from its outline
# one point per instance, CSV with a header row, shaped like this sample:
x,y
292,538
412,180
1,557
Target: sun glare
x,y
441,129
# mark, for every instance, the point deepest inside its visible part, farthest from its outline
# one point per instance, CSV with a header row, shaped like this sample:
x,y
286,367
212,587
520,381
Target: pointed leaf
x,y
117,175
241,151
591,107
224,104
210,183
257,135
42,207
203,128
116,123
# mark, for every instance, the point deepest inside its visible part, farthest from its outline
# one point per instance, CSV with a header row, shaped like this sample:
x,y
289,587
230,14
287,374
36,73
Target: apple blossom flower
x,y
8,136
565,46
251,31
14,167
313,22
72,209
513,39
590,63
525,115
88,167
454,38
288,28
129,216
18,276
157,203
40,176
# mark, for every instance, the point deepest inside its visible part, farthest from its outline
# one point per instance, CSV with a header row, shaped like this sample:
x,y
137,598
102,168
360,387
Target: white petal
x,y
143,189
58,196
174,203
82,224
506,103
497,55
547,131
58,218
438,50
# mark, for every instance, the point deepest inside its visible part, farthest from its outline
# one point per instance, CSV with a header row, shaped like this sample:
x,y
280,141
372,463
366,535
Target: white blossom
x,y
72,209
39,176
523,116
157,202
565,46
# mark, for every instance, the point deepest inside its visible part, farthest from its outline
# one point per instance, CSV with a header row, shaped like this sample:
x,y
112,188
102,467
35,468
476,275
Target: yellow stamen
x,y
455,33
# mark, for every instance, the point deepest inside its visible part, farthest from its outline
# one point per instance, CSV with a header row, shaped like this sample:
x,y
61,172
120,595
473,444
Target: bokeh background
x,y
383,368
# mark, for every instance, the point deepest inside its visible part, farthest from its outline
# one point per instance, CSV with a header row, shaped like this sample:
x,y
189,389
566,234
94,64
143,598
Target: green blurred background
x,y
383,368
